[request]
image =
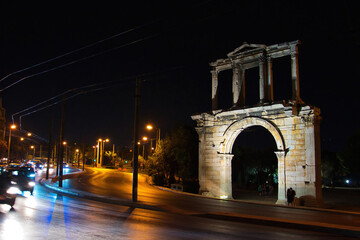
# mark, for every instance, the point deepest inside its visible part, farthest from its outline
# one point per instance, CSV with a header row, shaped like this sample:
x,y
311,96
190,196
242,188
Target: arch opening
x,y
255,163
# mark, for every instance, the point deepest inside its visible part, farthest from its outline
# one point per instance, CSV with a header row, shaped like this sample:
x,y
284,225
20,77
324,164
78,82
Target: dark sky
x,y
171,44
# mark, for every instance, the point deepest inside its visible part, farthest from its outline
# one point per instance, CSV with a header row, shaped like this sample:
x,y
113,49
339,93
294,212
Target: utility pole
x,y
49,150
61,150
83,157
136,136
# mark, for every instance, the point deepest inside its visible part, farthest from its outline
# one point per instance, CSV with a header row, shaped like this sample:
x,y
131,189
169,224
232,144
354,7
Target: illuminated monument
x,y
293,124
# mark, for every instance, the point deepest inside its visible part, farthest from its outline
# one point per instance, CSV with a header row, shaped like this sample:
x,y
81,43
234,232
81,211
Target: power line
x,y
76,50
78,60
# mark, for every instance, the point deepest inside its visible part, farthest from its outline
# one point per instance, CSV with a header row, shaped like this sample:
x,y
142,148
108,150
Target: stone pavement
x,y
334,204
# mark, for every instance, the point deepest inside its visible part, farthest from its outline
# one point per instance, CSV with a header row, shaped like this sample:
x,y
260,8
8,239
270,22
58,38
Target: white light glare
x,y
13,190
224,197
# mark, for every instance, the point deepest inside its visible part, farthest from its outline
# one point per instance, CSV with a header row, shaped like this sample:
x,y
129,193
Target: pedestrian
x,y
260,190
290,193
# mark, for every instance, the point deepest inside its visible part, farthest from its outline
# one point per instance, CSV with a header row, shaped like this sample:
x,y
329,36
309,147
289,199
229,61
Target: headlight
x,y
13,182
13,190
31,184
32,175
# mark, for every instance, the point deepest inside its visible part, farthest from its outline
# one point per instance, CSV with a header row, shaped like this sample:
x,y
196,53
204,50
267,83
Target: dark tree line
x,y
345,164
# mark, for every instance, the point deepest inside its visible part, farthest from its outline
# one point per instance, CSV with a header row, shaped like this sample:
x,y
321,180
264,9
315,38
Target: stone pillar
x,y
214,94
295,73
313,157
236,85
270,88
202,174
225,176
242,88
262,77
281,177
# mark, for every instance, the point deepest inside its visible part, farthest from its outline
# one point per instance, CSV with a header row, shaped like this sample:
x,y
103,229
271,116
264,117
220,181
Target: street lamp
x,y
11,127
33,147
157,136
29,134
65,143
101,146
77,157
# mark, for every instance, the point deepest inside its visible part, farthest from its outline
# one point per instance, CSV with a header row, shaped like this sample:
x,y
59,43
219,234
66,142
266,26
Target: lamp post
x,y
77,157
101,144
11,127
65,143
157,133
33,147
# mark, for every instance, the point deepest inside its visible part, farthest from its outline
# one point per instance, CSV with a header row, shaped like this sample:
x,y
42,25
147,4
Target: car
x,y
8,189
38,164
50,165
23,178
13,165
65,165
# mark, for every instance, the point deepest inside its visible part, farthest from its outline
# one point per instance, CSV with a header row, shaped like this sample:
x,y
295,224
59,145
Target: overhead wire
x,y
78,60
76,50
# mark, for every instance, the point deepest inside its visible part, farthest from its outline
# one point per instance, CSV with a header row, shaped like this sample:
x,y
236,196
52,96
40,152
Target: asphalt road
x,y
118,184
48,215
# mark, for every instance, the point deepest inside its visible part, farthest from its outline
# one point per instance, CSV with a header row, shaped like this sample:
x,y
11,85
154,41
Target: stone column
x,y
225,176
214,95
270,88
236,85
241,101
281,177
202,174
295,73
262,70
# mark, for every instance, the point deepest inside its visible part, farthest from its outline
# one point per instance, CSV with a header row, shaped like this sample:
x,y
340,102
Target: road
x,y
48,215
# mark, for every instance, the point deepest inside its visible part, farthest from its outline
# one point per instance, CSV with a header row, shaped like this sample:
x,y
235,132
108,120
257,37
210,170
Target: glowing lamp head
x,y
149,127
13,126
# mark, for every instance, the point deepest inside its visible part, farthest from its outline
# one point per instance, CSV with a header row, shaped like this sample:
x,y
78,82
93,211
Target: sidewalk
x,y
353,231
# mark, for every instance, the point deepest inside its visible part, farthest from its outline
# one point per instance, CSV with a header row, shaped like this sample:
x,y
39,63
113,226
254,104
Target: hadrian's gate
x,y
293,124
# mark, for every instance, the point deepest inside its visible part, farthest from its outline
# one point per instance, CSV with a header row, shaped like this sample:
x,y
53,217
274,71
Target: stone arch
x,y
233,131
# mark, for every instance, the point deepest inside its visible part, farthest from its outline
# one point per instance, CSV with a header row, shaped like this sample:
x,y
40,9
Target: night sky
x,y
170,45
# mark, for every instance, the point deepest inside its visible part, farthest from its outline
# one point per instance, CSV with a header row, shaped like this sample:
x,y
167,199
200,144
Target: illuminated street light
x,y
157,136
29,134
22,139
11,127
101,146
33,147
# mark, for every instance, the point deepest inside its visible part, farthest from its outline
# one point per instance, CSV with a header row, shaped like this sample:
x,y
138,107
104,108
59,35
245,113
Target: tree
x,y
176,159
3,148
332,167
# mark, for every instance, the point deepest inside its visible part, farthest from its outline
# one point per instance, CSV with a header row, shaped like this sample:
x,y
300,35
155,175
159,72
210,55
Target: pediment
x,y
246,48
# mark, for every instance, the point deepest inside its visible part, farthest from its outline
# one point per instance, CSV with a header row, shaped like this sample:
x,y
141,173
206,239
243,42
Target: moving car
x,y
23,178
65,165
50,165
38,164
8,190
